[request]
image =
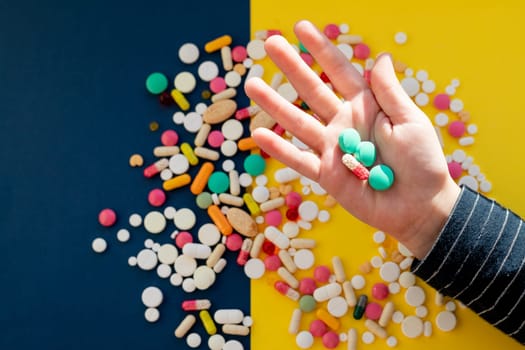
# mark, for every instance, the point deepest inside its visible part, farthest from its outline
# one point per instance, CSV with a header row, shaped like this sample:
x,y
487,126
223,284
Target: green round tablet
x,y
218,182
156,83
348,140
307,303
254,164
366,153
381,177
204,200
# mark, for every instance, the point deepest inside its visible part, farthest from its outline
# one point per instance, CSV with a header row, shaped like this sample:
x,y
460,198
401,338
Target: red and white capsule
x,y
358,169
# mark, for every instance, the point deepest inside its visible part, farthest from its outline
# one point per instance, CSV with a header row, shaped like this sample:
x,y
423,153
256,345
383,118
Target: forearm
x,y
479,259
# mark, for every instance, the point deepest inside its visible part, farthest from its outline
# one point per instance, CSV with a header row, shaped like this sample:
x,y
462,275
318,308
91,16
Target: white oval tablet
x,y
203,277
233,345
184,219
152,297
99,245
147,259
179,164
185,265
304,259
254,268
288,92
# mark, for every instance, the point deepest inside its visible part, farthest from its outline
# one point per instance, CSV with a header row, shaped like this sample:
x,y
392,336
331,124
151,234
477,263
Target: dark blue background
x,y
73,108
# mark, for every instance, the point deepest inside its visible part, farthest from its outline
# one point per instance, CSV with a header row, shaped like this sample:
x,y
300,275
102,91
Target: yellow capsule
x,y
252,205
218,43
207,321
180,99
176,182
188,153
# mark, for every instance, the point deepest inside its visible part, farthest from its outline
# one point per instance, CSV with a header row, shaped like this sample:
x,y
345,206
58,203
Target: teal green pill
x,y
302,48
359,309
204,200
381,177
307,303
348,140
254,164
218,182
366,153
156,83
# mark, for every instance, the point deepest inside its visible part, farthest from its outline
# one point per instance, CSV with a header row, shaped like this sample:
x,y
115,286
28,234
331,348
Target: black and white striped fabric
x,y
479,259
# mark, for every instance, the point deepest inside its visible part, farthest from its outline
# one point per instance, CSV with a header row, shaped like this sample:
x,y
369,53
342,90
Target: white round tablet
x,y
291,229
99,245
358,282
216,342
185,265
389,271
376,261
304,259
185,82
152,314
135,220
176,279
456,105
261,180
394,288
189,53
201,108
164,271
169,212
411,86
400,38
398,317
152,297
446,321
421,311
123,235
232,79
132,261
147,259
288,92
323,216
154,222
184,219
368,337
304,340
203,277
209,234
166,174
193,340
167,253
260,194
245,180
391,341
441,119
415,296
429,86
179,164
178,117
337,306
412,326
255,49
347,50
148,243
193,122
208,70
407,279
229,148
232,129
254,268
308,210
228,165
422,99
379,237
188,285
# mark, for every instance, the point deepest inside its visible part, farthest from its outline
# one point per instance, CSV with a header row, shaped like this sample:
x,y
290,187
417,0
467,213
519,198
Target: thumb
x,y
389,93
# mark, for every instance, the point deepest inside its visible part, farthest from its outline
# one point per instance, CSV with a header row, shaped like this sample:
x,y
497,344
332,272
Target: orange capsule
x,y
246,144
201,179
220,220
217,43
330,320
176,182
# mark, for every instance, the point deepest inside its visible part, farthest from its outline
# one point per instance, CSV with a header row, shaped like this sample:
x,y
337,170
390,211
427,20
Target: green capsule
x,y
366,153
359,309
348,140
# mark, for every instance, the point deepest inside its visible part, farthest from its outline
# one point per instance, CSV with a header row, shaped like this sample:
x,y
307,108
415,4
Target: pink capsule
x,y
246,112
156,167
358,169
285,289
196,304
244,253
265,34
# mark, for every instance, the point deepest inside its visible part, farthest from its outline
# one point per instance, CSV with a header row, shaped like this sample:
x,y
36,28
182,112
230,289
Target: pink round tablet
x,y
373,311
293,199
272,262
234,242
322,273
169,138
456,128
156,197
182,238
361,51
455,170
330,340
107,217
380,291
215,138
239,53
217,85
307,285
332,31
273,217
442,101
317,328
307,58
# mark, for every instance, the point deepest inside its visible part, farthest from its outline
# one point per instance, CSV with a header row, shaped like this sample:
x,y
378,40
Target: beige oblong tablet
x,y
219,111
235,329
185,326
242,222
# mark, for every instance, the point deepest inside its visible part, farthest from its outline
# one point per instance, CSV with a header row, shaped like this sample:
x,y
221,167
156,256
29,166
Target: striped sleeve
x,y
479,259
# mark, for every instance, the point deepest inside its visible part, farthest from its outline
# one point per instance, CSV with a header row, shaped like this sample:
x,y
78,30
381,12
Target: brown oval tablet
x,y
242,222
262,120
219,111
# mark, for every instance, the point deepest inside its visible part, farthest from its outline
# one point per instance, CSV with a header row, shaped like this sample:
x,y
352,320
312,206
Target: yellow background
x,y
484,47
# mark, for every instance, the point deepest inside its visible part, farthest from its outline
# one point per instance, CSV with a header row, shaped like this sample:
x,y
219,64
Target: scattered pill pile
x,y
259,216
